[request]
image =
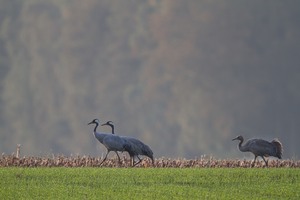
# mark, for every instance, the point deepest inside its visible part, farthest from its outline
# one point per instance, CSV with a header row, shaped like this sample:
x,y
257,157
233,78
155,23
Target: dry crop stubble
x,y
88,161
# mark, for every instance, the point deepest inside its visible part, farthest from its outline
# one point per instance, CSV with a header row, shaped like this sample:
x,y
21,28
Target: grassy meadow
x,y
149,183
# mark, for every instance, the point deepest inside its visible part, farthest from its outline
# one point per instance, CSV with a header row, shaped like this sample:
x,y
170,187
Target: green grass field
x,y
149,183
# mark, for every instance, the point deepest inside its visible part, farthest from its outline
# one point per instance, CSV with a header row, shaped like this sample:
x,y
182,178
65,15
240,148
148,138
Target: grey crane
x,y
260,147
111,142
135,148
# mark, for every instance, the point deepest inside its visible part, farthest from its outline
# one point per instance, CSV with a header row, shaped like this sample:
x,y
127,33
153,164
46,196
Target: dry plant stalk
x,y
18,150
88,161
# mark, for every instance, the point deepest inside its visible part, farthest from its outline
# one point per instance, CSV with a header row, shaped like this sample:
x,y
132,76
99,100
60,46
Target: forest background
x,y
185,77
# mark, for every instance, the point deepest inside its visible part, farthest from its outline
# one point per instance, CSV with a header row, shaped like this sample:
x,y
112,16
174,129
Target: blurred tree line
x,y
183,76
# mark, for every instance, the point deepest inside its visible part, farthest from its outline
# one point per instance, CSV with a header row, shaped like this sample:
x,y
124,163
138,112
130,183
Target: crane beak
x,y
234,139
90,123
103,124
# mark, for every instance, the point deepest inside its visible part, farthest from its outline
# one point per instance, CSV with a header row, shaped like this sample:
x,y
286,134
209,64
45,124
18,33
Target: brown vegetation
x,y
88,161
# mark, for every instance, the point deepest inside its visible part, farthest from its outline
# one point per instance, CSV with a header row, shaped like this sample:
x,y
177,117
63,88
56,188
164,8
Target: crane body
x,y
111,142
260,147
134,147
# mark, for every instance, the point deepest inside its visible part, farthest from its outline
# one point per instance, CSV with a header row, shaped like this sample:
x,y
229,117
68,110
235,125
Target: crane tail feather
x,y
279,148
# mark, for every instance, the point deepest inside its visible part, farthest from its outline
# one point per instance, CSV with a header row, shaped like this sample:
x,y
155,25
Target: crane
x,y
260,147
135,148
111,142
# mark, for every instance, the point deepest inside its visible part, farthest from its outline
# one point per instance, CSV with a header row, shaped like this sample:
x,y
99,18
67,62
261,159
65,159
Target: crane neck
x,y
241,148
112,128
95,129
240,143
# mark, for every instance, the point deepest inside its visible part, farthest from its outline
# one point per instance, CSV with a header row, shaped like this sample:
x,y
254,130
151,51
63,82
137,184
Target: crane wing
x,y
261,147
113,143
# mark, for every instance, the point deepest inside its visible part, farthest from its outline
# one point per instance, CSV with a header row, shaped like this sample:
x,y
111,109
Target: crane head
x,y
95,121
110,123
240,138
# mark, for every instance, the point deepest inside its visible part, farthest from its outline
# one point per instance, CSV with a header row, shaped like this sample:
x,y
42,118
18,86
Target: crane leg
x,y
138,161
153,161
265,161
118,157
254,161
131,160
105,157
